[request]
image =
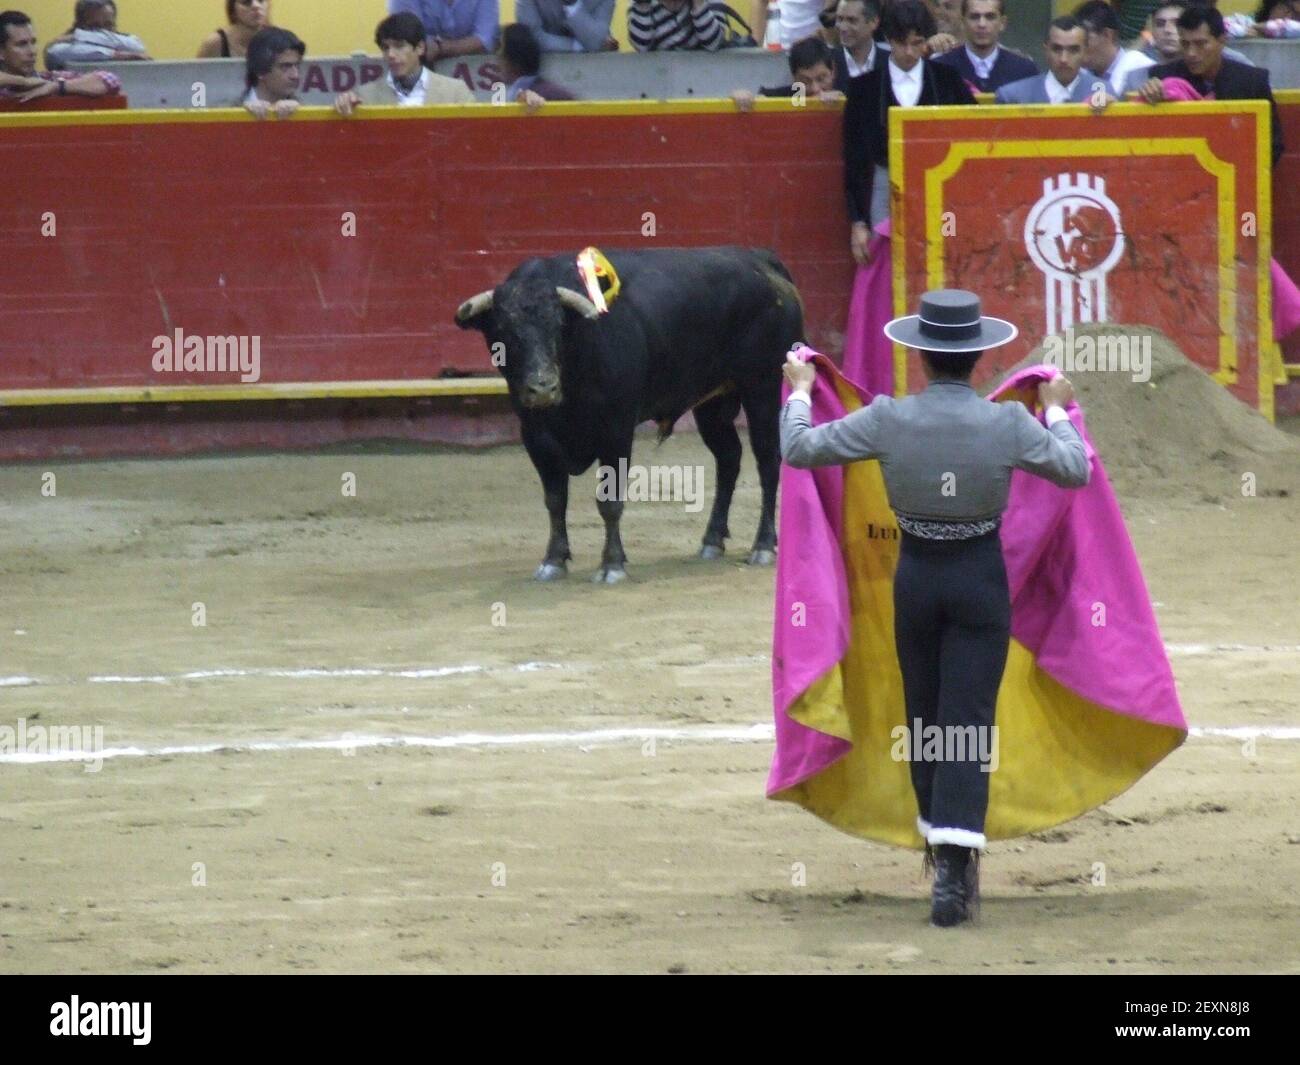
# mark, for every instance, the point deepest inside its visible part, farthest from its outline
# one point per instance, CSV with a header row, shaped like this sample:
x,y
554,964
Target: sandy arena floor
x,y
559,854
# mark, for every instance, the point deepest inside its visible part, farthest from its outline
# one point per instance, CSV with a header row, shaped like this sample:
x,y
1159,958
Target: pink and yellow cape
x,y
1087,704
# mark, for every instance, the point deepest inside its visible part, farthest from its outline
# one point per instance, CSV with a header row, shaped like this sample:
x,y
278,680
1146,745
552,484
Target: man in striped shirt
x,y
666,25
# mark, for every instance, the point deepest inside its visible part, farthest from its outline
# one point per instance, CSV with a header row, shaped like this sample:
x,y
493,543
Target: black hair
x,y
520,48
265,46
404,26
11,18
1002,7
906,17
1097,15
953,364
808,53
1067,23
870,9
83,8
230,10
1198,15
1267,7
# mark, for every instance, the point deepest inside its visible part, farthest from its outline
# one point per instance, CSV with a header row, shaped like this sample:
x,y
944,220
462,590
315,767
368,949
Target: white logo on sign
x,y
1073,236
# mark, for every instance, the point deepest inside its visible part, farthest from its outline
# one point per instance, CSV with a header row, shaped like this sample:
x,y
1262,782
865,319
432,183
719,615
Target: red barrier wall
x,y
218,225
215,224
67,103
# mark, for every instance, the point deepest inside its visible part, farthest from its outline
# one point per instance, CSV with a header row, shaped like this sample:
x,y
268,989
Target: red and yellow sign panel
x,y
1058,217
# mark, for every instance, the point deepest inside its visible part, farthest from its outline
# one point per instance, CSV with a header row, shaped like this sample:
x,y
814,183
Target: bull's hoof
x,y
762,557
712,551
551,571
609,575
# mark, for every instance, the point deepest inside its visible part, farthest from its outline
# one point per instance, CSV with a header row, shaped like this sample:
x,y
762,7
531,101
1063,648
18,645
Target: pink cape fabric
x,y
1286,297
868,353
1065,551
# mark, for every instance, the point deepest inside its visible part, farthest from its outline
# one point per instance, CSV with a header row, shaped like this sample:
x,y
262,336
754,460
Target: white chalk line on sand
x,y
310,673
434,672
757,733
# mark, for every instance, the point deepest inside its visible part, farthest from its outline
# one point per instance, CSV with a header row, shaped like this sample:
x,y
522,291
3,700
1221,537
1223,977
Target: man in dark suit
x,y
906,80
1202,34
983,62
858,53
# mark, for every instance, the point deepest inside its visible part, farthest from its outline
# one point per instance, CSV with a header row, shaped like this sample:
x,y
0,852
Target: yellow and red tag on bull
x,y
599,277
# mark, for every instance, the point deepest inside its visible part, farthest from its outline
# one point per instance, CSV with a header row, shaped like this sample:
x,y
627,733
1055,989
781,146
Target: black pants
x,y
952,625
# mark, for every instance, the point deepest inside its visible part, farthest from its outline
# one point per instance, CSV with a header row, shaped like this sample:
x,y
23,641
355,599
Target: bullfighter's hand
x,y
1058,392
800,374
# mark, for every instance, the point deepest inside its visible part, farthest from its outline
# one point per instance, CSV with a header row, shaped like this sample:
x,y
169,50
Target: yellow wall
x,y
172,29
1228,7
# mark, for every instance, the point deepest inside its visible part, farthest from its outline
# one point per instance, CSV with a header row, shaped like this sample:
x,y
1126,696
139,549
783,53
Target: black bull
x,y
703,329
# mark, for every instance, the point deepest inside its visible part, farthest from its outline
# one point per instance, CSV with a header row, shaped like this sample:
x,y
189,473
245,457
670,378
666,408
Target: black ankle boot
x,y
952,886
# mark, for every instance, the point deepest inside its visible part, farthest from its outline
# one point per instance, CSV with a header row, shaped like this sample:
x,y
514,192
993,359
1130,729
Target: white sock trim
x,y
923,827
956,837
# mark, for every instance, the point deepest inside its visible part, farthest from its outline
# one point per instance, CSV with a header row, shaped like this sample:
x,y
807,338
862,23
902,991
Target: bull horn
x,y
575,301
474,306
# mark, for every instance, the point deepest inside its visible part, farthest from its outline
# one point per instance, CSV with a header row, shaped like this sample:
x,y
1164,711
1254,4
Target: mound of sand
x,y
1179,432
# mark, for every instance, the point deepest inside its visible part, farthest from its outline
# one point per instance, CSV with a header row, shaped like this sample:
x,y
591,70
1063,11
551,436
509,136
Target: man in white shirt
x,y
858,53
408,82
906,80
273,73
1103,56
799,19
1062,83
983,62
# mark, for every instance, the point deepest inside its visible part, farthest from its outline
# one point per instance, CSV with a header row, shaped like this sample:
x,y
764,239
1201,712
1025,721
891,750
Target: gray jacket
x,y
947,454
1033,90
557,31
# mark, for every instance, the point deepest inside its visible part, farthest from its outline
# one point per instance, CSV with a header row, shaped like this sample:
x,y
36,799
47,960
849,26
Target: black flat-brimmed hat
x,y
950,320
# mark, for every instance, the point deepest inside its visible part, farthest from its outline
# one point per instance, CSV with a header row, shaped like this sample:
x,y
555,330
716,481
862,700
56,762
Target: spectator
x,y
577,26
1061,84
462,27
274,69
521,62
673,25
799,20
19,78
93,38
1204,68
906,80
244,19
1273,18
408,83
1103,55
811,76
1164,46
947,18
857,52
983,62
829,32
